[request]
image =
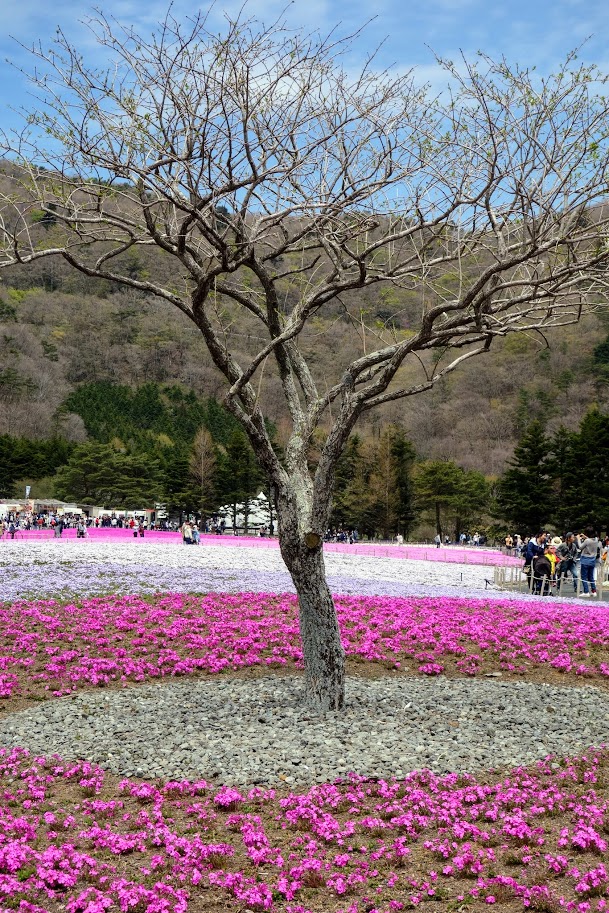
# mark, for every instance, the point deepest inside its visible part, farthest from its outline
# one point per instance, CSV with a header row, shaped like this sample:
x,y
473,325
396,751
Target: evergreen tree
x,y
381,486
203,471
136,481
220,423
390,491
28,461
348,474
359,505
450,493
99,474
180,492
240,478
525,493
8,471
470,501
563,480
436,482
601,354
374,490
138,416
159,423
403,454
585,495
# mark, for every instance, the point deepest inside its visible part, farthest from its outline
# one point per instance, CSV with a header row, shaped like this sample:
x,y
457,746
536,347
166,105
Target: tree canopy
x,y
558,480
585,487
280,182
99,474
451,494
374,490
526,494
24,459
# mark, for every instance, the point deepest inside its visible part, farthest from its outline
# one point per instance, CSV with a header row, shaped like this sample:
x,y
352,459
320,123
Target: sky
x,y
528,32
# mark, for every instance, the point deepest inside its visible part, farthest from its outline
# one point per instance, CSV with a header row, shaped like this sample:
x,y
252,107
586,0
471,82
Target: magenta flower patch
x,y
532,840
56,647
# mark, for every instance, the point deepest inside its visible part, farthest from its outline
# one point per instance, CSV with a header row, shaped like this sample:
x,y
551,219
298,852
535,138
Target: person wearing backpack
x,y
567,552
542,573
535,549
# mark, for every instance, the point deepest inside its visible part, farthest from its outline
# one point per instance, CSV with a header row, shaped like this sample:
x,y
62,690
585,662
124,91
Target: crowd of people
x,y
332,534
11,525
191,531
115,521
14,523
550,561
465,539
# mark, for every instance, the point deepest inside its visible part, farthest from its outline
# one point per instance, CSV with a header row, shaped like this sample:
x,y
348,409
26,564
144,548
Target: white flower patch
x,y
51,567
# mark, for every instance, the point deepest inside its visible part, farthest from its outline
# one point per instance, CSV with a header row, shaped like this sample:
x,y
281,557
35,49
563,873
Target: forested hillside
x,y
60,330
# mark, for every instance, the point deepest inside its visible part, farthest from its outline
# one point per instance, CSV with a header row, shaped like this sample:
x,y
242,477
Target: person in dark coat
x,y
535,549
542,574
567,552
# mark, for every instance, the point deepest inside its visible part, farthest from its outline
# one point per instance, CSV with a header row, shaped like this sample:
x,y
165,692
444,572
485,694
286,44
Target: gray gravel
x,y
245,732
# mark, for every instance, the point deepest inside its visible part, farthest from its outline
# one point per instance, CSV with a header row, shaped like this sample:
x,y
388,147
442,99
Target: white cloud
x,y
538,33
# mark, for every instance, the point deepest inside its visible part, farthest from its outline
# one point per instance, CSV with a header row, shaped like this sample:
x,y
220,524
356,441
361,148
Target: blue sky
x,y
535,32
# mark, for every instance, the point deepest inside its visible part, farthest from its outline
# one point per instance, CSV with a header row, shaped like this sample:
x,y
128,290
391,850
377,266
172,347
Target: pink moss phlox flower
x,y
351,838
130,638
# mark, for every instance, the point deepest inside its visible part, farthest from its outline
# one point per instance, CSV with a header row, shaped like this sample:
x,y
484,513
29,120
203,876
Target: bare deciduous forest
x,y
59,329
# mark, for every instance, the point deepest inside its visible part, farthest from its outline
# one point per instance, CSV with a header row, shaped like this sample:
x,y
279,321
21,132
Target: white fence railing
x,y
514,578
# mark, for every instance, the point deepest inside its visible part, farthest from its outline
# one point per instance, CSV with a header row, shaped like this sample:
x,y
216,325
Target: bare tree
x,y
202,466
285,187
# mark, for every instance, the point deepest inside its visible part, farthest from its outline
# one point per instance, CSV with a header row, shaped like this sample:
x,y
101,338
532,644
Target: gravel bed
x,y
255,731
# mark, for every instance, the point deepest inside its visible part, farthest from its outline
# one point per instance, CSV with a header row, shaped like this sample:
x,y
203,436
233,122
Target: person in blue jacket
x,y
535,548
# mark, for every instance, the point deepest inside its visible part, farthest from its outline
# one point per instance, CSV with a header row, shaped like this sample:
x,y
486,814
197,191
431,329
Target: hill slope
x,y
57,333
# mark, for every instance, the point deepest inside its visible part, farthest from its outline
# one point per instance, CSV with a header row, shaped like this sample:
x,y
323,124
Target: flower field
x,y
74,838
451,554
50,648
111,561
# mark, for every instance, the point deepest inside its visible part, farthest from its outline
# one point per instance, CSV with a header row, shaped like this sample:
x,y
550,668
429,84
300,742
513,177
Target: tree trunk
x,y
438,523
271,513
457,529
324,657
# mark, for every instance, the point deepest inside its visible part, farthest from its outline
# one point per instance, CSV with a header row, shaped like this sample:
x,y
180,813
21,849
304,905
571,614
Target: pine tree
x,y
525,494
22,460
403,454
203,471
470,501
9,472
98,474
389,495
348,475
180,492
451,493
585,496
381,486
239,477
564,478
